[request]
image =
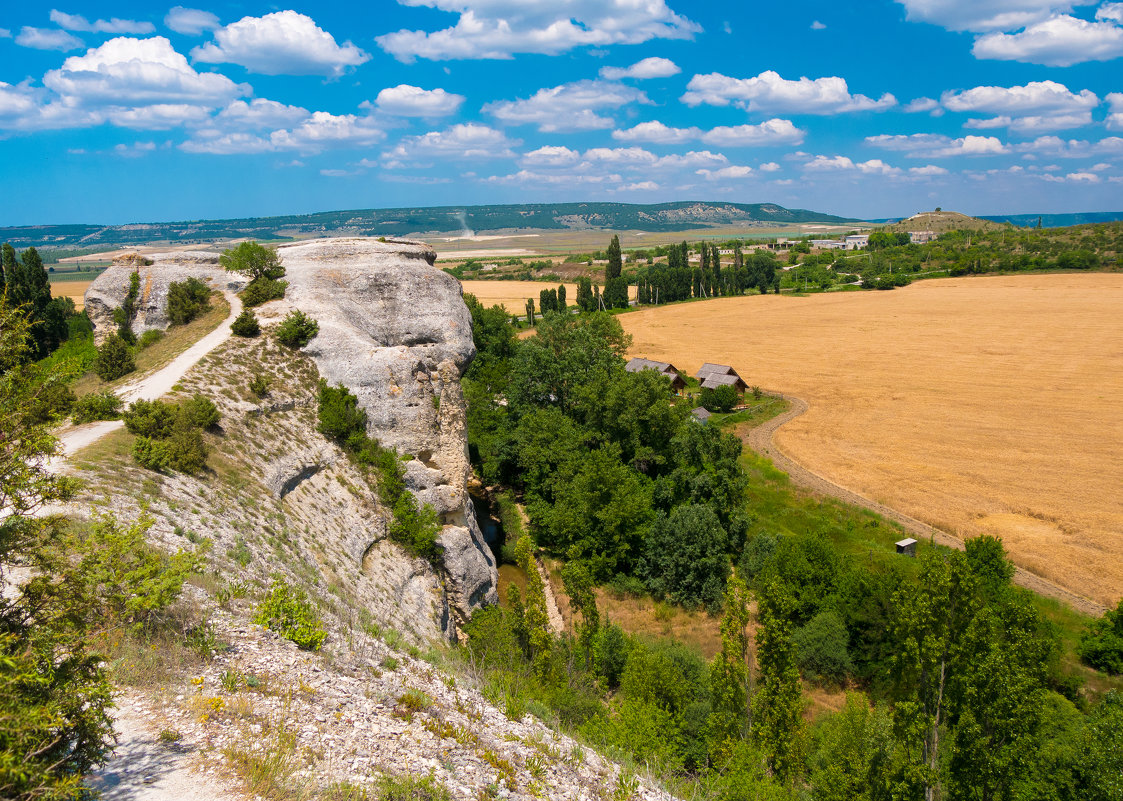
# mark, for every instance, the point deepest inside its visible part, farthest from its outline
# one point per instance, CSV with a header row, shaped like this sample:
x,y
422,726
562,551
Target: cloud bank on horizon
x,y
206,111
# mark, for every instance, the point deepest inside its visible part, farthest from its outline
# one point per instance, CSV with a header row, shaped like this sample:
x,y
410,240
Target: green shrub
x,y
341,419
200,412
187,452
820,648
245,324
412,788
187,300
297,329
97,406
114,359
260,385
287,611
149,337
262,290
150,418
150,454
1101,645
51,402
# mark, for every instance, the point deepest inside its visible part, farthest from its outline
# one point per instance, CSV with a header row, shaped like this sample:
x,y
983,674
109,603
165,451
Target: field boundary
x,y
760,440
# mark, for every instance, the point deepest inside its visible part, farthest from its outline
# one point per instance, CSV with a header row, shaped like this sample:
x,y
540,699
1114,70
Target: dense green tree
x,y
561,298
585,300
187,300
821,648
853,753
536,617
634,411
1101,645
601,514
686,557
544,444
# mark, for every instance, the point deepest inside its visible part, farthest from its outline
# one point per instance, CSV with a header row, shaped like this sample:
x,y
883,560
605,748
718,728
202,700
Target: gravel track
x,y
760,440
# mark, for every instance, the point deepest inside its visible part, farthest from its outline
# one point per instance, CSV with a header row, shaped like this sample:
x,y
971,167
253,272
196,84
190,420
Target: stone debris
x,y
339,716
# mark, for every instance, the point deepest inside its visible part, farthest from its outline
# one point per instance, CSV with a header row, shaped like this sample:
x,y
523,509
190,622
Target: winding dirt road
x,y
149,387
760,440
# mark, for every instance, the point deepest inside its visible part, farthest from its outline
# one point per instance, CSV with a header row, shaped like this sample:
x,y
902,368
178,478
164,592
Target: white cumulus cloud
x,y
323,130
770,132
281,43
1037,106
732,171
770,92
413,101
657,133
939,146
551,156
47,39
986,15
568,107
653,67
1059,41
1115,118
191,21
76,22
501,28
259,114
126,71
462,141
845,164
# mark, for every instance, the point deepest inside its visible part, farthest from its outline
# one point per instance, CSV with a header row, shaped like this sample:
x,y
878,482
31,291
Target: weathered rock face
x,y
157,272
396,332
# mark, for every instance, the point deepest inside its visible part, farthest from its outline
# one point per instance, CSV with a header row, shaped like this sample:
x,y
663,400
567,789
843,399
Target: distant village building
x,y
663,368
857,241
828,244
487,268
922,237
906,547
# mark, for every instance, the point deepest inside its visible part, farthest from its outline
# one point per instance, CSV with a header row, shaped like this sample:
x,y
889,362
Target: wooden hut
x,y
663,368
701,414
906,547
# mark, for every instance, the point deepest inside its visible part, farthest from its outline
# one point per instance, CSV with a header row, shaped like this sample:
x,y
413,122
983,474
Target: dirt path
x,y
143,768
760,440
557,623
151,386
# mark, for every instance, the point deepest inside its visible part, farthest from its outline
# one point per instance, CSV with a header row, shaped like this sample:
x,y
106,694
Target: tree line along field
x,y
979,405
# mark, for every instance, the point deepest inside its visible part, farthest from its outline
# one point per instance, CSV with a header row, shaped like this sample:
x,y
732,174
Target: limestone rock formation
x,y
396,332
157,272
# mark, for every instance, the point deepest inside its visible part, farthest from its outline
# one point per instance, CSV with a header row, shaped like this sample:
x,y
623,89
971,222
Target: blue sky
x,y
132,112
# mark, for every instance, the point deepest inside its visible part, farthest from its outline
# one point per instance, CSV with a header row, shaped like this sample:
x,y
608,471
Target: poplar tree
x,y
561,297
536,617
615,260
578,583
729,675
777,722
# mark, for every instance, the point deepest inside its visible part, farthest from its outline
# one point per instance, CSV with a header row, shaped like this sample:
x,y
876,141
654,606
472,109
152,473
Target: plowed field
x,y
978,405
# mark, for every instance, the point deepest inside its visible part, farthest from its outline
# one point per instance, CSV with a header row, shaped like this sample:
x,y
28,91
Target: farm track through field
x,y
760,440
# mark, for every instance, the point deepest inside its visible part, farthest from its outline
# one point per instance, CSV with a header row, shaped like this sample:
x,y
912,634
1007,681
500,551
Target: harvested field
x,y
71,289
978,405
513,294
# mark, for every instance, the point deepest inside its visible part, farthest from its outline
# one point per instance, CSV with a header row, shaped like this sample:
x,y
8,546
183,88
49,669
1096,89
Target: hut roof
x,y
701,413
714,380
638,363
708,368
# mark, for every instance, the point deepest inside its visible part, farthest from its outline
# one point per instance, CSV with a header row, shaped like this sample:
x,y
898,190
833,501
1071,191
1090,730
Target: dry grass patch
x,y
977,404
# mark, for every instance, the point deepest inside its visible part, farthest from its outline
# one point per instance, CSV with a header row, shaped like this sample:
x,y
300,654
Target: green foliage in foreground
x,y
54,691
287,611
342,420
263,290
97,406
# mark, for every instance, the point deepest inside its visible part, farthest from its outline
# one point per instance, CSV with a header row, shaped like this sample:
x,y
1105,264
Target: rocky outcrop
x,y
157,272
396,332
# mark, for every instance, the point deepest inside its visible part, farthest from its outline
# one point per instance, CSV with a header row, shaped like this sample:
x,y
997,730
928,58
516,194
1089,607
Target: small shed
x,y
701,414
907,547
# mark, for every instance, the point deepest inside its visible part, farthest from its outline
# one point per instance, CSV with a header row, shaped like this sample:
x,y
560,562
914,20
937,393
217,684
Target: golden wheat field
x,y
979,405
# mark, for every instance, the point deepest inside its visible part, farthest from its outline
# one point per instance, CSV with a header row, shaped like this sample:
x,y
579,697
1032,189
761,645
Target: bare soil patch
x,y
977,405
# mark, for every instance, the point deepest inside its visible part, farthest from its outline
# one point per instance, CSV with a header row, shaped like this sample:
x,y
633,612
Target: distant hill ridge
x,y
421,220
